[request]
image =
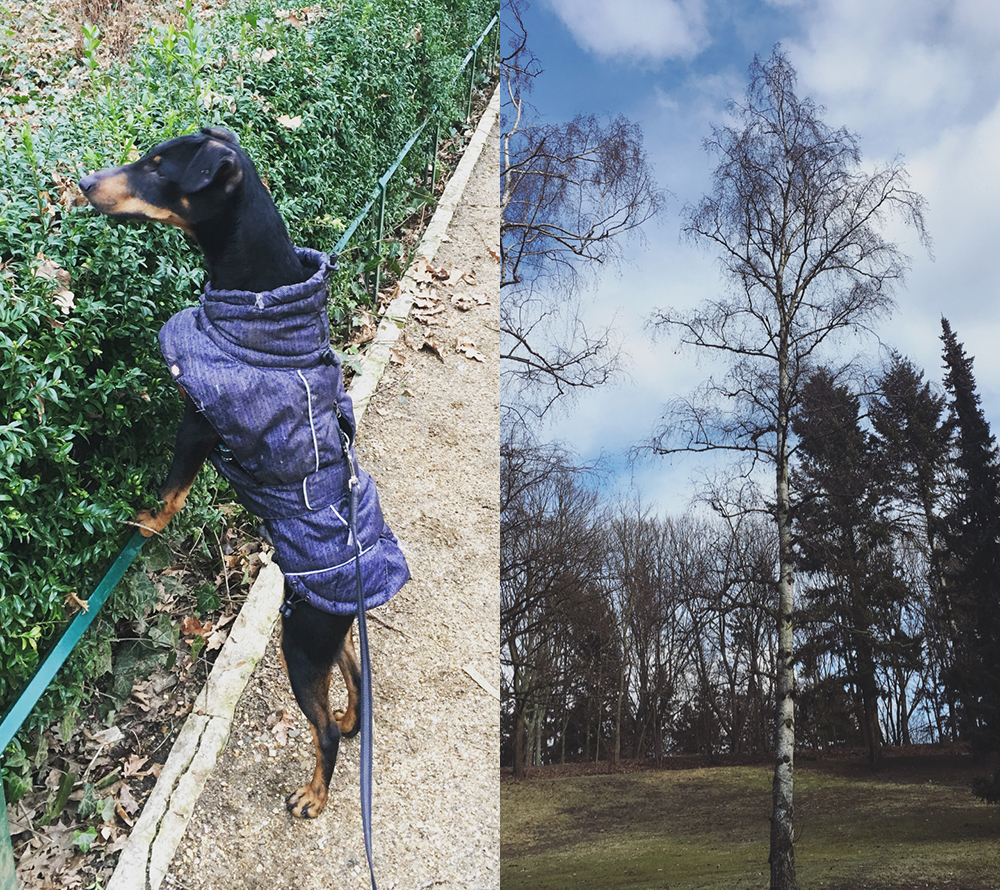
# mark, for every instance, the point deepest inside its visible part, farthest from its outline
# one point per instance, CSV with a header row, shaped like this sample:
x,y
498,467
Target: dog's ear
x,y
214,162
221,133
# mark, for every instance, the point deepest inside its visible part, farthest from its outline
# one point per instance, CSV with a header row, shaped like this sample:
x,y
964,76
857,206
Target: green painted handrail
x,y
378,193
18,712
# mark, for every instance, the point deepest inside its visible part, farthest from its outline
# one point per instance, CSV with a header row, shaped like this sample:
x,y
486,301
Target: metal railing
x,y
19,711
377,197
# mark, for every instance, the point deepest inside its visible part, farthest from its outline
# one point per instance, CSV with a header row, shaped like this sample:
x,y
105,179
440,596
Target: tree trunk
x,y
904,711
869,702
520,741
616,752
782,858
639,745
565,726
536,737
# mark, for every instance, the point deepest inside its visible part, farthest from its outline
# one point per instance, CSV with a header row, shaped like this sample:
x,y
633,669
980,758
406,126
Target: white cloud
x,y
638,30
959,174
612,419
899,68
922,77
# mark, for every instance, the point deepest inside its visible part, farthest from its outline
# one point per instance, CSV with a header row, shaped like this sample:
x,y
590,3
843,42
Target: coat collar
x,y
287,327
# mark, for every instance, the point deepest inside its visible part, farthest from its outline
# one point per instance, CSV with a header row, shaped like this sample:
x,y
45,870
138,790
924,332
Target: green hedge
x,y
322,99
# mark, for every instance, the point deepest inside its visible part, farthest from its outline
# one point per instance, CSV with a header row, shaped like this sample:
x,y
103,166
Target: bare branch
x,y
571,191
797,225
571,194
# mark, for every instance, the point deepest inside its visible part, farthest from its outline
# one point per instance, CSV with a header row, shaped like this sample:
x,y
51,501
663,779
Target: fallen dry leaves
x,y
431,309
280,723
364,327
430,345
90,784
468,349
428,310
424,272
465,302
72,599
205,637
62,296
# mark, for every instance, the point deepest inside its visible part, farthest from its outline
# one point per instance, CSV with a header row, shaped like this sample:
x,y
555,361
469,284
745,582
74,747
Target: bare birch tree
x,y
797,223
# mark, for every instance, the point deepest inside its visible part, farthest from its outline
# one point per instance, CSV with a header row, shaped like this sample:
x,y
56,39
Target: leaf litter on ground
x,y
68,829
430,309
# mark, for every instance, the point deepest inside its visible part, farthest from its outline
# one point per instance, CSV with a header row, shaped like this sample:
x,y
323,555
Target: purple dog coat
x,y
260,368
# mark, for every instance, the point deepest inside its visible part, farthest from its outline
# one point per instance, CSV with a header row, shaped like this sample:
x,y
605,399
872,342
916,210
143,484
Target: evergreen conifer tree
x,y
912,441
971,574
844,534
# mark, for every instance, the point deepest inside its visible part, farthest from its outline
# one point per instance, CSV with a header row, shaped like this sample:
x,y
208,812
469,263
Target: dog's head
x,y
181,182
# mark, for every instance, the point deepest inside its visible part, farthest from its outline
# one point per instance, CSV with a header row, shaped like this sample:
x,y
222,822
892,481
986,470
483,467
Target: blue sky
x,y
916,78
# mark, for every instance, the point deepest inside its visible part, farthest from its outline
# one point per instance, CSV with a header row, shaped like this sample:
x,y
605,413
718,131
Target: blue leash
x,y
366,673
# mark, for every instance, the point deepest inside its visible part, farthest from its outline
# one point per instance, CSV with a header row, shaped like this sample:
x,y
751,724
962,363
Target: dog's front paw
x,y
306,802
148,523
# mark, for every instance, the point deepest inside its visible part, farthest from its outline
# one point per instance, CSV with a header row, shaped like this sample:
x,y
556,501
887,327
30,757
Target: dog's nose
x,y
88,182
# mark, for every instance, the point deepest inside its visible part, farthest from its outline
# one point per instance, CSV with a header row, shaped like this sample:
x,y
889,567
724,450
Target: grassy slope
x,y
913,824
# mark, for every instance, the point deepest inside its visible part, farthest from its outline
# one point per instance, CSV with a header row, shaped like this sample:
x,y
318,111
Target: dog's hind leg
x,y
311,641
349,718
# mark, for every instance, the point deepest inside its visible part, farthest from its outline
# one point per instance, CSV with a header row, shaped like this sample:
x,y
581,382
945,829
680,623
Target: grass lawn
x,y
911,824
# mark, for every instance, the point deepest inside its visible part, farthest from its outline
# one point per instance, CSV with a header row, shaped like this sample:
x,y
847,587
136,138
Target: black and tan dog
x,y
205,184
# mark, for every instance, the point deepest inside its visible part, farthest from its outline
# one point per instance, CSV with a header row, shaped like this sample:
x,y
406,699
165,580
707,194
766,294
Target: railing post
x,y
472,83
494,48
8,877
379,224
434,155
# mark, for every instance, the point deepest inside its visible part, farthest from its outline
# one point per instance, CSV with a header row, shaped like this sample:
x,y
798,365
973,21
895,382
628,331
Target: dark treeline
x,y
629,635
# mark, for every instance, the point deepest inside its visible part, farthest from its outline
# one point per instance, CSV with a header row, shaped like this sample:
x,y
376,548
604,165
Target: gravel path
x,y
430,439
